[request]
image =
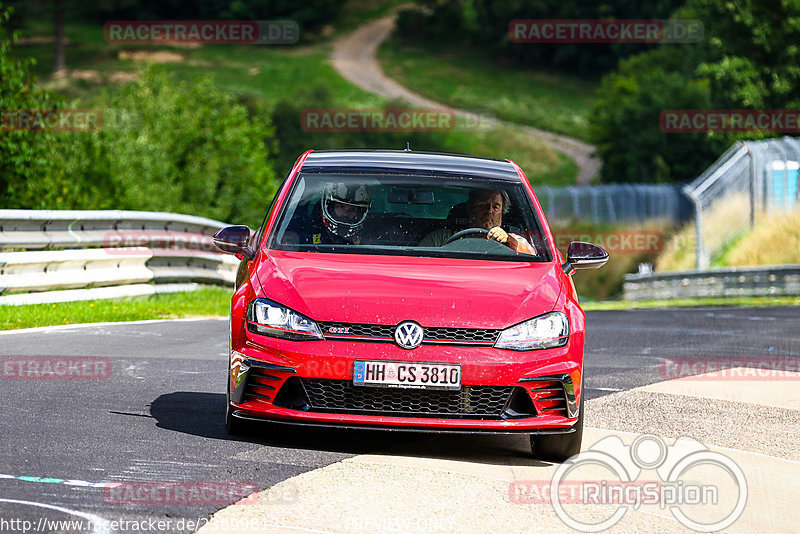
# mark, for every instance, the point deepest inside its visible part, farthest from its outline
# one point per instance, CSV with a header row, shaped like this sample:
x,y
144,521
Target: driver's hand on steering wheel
x,y
498,234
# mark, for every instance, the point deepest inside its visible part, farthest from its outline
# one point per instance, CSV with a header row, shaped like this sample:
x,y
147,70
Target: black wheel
x,y
559,447
465,233
233,426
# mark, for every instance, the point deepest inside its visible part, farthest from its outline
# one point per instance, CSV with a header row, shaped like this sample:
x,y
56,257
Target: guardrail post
x,y
752,186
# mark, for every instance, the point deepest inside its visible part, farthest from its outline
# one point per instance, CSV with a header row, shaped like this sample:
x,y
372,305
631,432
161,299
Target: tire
x,y
559,447
233,426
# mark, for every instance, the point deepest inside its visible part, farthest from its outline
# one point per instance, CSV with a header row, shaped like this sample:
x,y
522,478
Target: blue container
x,y
784,184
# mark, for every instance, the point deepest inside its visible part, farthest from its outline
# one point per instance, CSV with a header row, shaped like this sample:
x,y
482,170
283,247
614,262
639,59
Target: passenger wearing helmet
x,y
344,208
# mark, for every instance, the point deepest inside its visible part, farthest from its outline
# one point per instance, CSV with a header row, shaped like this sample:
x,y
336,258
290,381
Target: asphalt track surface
x,y
159,415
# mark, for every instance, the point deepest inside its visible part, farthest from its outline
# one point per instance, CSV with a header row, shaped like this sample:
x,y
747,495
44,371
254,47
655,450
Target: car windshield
x,y
436,216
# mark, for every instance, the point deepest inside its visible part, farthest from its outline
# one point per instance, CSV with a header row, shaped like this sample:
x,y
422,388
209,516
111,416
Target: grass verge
x,y
206,302
774,240
469,79
751,302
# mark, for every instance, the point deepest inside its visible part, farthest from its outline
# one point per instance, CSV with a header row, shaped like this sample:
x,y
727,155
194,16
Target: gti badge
x,y
339,330
408,335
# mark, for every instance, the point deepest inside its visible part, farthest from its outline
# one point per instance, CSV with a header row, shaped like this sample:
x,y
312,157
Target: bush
x,y
27,158
624,124
175,147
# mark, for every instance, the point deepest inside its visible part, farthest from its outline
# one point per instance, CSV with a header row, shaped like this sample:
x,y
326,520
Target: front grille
x,y
260,385
462,334
475,402
548,397
357,330
432,335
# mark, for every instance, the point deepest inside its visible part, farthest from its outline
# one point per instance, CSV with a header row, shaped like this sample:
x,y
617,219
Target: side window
x,y
260,234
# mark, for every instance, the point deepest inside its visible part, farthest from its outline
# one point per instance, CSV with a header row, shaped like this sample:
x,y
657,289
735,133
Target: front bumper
x,y
310,383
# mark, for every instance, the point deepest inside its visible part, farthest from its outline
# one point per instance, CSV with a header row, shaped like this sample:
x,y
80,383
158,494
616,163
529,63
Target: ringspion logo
x,y
704,490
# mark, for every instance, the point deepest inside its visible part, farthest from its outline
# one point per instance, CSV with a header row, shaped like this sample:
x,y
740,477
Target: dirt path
x,y
354,56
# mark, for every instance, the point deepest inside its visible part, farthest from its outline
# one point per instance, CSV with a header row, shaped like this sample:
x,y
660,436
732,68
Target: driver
x,y
485,209
344,208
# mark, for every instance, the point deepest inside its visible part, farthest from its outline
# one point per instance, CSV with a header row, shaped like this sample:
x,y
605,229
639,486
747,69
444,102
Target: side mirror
x,y
235,240
582,255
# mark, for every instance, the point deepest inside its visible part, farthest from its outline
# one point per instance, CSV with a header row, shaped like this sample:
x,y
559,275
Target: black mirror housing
x,y
235,240
582,255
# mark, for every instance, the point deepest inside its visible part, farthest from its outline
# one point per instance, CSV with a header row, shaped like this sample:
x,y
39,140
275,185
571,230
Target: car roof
x,y
408,162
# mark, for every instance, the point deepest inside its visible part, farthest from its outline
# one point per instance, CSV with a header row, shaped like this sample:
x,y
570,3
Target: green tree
x,y
27,158
753,55
625,120
749,59
187,148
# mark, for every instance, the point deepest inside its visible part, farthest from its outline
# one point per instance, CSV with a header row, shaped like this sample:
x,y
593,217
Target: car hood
x,y
354,288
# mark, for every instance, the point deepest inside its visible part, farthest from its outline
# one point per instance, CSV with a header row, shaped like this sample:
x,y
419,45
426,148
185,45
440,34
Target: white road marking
x,y
100,525
62,327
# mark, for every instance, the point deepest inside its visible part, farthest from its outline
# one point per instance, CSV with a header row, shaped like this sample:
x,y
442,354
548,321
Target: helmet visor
x,y
346,213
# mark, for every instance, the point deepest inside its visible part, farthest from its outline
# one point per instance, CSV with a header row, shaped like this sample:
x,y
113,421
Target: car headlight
x,y
543,332
272,319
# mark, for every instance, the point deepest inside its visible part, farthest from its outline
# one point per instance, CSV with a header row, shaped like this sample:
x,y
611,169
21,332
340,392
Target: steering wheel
x,y
464,233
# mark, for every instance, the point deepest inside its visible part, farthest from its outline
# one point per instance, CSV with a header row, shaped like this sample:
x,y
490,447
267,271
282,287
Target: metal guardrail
x,y
770,280
57,256
40,229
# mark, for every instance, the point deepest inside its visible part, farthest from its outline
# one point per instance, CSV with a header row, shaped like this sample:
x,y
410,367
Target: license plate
x,y
407,375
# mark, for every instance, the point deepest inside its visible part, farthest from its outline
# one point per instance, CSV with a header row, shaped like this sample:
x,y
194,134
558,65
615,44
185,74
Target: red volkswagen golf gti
x,y
408,291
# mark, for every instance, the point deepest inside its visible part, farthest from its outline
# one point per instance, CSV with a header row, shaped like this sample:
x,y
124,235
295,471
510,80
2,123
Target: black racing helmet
x,y
353,201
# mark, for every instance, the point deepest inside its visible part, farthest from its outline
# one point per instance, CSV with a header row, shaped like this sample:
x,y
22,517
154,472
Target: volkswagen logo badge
x,y
408,335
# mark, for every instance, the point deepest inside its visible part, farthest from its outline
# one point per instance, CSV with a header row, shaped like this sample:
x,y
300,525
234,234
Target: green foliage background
x,y
26,158
187,148
749,58
191,146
